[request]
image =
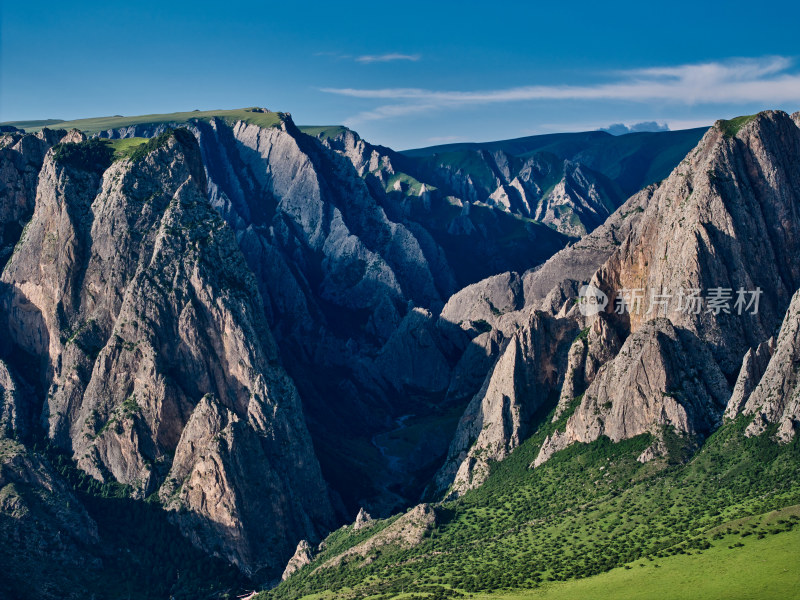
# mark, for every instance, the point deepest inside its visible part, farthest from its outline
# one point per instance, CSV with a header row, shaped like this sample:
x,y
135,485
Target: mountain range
x,y
237,351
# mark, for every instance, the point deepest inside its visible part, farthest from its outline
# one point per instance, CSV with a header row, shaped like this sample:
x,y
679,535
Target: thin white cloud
x,y
388,111
390,57
766,79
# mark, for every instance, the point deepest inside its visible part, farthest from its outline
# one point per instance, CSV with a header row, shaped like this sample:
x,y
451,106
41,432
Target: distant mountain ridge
x,y
619,158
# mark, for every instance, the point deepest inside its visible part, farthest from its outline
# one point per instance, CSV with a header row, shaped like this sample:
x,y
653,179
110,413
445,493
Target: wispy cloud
x,y
768,79
389,111
392,56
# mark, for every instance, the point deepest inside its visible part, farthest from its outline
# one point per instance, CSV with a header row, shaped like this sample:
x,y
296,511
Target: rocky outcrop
x,y
579,202
728,217
132,291
406,531
551,288
596,345
551,282
563,194
662,377
497,420
363,519
775,401
145,322
740,184
16,402
354,272
754,364
483,304
302,557
21,159
414,357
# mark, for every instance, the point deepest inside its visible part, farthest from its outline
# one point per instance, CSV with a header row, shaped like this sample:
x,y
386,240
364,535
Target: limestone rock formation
x,y
497,419
16,415
754,364
776,398
363,519
21,158
661,377
484,302
406,531
131,291
595,346
698,231
728,217
563,194
302,556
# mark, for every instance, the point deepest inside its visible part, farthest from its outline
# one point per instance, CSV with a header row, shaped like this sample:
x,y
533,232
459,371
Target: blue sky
x,y
405,74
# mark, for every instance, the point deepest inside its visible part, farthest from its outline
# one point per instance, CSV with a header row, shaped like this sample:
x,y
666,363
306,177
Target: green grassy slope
x,y
590,509
758,569
35,125
324,131
255,116
125,147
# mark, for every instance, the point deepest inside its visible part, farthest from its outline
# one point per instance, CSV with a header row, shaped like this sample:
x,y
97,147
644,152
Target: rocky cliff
x,y
726,219
131,293
725,223
774,403
21,158
354,267
563,194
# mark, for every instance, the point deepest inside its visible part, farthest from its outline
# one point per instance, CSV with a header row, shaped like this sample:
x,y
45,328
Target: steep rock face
x,y
21,158
484,302
464,227
662,377
579,261
579,202
16,416
776,398
131,289
550,288
632,162
727,217
237,508
413,358
498,418
354,260
595,346
565,195
754,364
363,519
